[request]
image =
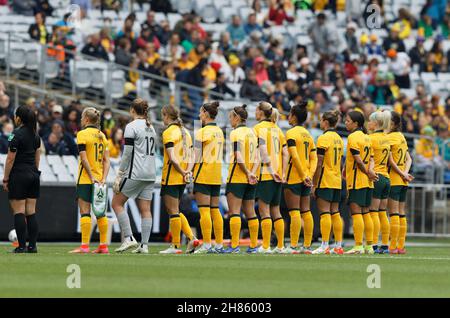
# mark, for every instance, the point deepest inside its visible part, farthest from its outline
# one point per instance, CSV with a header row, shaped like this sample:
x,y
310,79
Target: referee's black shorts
x,y
24,184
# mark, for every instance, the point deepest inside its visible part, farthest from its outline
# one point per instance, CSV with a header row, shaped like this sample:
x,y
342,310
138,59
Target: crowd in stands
x,y
343,71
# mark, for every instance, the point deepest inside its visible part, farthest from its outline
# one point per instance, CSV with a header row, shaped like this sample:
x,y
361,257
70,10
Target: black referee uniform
x,y
24,184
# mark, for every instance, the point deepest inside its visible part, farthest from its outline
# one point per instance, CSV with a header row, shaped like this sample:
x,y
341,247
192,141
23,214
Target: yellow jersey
x,y
331,147
94,142
173,137
211,141
399,148
271,135
243,139
358,144
381,148
300,140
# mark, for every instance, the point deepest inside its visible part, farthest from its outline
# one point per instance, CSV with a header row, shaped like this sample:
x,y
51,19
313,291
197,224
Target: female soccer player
x,y
209,142
301,169
328,183
136,176
177,157
21,178
274,157
241,183
359,176
379,123
93,168
399,164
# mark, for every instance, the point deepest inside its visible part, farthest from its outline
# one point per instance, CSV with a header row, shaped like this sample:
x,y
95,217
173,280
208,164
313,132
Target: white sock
x,y
219,246
324,244
338,244
207,245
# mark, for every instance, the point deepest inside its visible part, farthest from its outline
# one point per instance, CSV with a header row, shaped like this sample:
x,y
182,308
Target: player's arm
x,y
292,149
313,162
408,164
265,158
85,163
106,165
320,157
173,158
396,168
257,162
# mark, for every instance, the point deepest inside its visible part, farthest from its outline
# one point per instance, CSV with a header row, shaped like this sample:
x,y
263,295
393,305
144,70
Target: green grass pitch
x,y
423,272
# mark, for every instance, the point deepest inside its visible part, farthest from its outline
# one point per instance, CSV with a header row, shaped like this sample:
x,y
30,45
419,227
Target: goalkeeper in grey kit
x,y
136,177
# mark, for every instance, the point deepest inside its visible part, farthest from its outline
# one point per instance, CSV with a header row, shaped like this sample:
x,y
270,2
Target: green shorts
x,y
362,197
269,192
212,190
382,187
176,191
298,189
398,193
84,192
330,195
242,191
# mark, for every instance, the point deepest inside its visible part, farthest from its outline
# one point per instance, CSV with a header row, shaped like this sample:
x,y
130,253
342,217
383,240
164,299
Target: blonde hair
x,y
275,115
93,116
383,120
266,108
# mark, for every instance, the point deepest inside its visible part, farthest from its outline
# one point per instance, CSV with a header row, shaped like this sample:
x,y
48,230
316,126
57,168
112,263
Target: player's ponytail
x,y
241,112
300,112
332,117
212,109
266,108
396,122
92,115
140,106
27,117
174,115
275,116
358,118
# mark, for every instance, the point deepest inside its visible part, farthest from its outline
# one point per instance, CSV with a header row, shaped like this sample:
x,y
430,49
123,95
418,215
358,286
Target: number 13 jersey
x,y
358,144
143,140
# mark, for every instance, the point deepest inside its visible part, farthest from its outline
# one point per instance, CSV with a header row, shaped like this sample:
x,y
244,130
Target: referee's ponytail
x,y
27,117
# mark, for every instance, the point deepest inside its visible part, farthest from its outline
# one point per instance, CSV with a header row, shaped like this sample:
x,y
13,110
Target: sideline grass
x,y
423,272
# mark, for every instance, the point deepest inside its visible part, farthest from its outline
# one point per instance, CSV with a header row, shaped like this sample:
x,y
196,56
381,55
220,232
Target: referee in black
x,y
21,179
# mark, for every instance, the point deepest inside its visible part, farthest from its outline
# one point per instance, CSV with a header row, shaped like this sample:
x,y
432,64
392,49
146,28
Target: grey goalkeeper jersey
x,y
138,160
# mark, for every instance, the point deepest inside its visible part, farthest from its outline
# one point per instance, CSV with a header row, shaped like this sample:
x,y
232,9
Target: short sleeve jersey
x,y
381,149
243,139
358,144
301,139
399,148
331,147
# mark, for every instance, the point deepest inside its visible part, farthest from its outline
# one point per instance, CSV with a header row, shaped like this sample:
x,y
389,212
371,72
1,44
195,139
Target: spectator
x,y
353,10
418,53
147,36
7,129
350,38
150,23
115,142
405,21
393,41
6,110
258,10
236,30
38,30
277,72
55,145
277,14
357,89
73,122
252,24
222,87
123,55
237,74
323,36
425,27
321,101
107,122
409,118
106,40
57,112
379,92
306,76
94,48
260,70
373,49
173,50
400,65
152,55
251,89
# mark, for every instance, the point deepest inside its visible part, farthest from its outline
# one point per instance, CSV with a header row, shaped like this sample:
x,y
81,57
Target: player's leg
x,y
293,204
403,224
308,223
234,210
217,220
118,205
172,206
374,214
204,203
324,208
85,224
264,192
32,225
144,206
384,226
253,223
278,221
393,208
358,223
337,224
20,224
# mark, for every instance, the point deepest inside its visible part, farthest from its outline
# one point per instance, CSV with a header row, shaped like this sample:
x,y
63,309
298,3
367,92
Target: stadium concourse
x,y
328,53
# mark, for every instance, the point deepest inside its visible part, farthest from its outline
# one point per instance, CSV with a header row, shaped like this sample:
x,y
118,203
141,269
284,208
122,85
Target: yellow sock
x,y
337,226
325,226
295,227
278,224
217,224
402,231
253,228
205,223
376,226
85,225
266,229
384,226
395,228
358,228
235,229
185,227
102,224
175,229
308,228
368,228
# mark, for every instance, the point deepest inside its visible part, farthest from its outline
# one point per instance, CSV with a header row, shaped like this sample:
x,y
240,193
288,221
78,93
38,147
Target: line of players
x,y
265,164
